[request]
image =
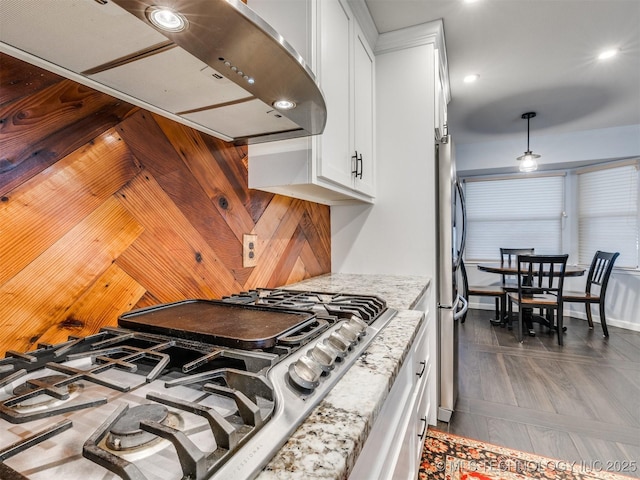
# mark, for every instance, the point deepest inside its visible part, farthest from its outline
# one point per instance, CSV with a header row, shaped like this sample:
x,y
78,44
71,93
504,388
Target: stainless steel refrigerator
x,y
451,304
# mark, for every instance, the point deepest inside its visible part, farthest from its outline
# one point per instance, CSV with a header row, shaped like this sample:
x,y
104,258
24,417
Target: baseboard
x,y
612,322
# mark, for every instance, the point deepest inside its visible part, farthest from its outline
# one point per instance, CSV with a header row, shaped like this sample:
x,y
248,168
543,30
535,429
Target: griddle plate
x,y
216,322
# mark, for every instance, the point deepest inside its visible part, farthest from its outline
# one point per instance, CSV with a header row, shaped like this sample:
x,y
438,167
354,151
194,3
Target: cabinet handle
x,y
358,171
424,367
424,428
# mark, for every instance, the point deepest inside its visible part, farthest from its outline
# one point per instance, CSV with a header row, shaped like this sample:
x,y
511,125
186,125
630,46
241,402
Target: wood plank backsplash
x,y
105,207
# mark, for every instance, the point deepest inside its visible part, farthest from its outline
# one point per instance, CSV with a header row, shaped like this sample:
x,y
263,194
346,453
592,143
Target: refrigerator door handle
x,y
463,310
454,306
463,241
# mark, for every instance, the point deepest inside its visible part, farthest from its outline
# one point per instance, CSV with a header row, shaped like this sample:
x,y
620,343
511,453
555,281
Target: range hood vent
x,y
222,74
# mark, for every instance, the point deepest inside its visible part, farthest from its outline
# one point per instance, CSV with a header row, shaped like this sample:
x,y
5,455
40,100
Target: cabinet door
x,y
440,110
364,91
291,19
335,79
421,424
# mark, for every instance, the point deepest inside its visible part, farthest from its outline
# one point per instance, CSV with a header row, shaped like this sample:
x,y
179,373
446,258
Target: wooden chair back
x,y
541,274
600,271
509,257
540,284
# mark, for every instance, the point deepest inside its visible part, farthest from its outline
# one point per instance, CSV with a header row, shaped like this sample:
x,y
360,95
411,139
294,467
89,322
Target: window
x,y
519,212
608,213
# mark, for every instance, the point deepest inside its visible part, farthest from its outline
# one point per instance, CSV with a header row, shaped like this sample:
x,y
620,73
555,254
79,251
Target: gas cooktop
x,y
193,389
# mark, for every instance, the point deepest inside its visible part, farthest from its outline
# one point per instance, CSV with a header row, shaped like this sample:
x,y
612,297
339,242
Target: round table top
x,y
512,269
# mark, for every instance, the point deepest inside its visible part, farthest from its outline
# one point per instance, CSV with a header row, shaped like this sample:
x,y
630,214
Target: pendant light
x,y
528,160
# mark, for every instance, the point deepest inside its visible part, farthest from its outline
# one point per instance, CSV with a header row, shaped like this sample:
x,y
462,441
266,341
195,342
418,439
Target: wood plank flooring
x,y
579,402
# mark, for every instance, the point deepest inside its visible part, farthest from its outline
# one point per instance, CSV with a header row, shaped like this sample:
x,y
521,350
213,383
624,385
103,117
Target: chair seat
x,y
488,290
483,291
536,299
580,297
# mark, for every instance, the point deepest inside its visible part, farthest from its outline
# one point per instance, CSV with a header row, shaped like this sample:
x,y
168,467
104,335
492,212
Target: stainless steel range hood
x,y
222,74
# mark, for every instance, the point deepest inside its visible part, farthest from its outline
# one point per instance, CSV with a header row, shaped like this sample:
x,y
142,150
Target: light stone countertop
x,y
399,291
328,442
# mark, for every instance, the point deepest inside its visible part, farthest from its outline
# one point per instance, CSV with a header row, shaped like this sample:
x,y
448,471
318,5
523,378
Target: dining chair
x,y
599,273
540,285
509,257
483,291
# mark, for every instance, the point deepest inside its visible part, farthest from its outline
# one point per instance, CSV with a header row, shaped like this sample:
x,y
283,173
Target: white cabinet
x,y
364,114
334,73
441,98
392,450
339,165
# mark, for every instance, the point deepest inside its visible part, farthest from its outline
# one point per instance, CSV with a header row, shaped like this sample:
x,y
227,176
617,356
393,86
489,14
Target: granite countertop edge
x,y
327,444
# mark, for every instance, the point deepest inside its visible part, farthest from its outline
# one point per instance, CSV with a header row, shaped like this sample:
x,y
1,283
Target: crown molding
x,y
430,33
363,16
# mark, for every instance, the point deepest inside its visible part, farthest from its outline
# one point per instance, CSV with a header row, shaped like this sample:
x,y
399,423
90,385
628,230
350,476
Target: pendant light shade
x,y
528,161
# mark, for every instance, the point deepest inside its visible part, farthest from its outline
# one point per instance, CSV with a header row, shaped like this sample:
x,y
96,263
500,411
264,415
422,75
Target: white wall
x,y
589,145
397,234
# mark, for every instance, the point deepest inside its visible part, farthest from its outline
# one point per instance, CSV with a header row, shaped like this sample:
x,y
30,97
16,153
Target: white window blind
x,y
608,213
519,212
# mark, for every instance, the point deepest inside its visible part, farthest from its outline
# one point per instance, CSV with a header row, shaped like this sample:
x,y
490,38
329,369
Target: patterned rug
x,y
451,457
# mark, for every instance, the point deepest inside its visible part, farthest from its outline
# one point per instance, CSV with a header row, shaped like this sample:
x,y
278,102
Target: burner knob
x,y
305,372
358,323
325,355
339,343
349,332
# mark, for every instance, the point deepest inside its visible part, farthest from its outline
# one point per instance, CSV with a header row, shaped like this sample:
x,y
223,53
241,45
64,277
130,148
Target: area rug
x,y
451,457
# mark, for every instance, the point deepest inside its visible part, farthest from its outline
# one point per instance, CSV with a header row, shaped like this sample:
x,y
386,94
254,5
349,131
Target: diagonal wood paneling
x,y
40,126
106,207
184,251
85,179
204,166
40,294
113,292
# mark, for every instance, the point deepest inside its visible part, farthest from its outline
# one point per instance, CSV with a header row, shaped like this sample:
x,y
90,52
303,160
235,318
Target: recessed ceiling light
x,y
470,1
284,104
166,19
608,54
471,78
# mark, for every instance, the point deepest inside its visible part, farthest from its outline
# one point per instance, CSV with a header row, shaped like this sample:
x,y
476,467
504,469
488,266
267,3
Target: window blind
x,y
519,212
608,214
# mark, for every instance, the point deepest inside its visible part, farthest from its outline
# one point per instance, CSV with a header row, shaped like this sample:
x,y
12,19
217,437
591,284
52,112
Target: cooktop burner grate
x,y
144,404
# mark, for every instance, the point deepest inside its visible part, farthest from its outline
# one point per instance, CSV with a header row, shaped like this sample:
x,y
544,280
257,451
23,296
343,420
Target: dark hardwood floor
x,y
579,402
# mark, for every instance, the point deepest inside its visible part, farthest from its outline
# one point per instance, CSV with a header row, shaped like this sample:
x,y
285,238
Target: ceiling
x,y
531,55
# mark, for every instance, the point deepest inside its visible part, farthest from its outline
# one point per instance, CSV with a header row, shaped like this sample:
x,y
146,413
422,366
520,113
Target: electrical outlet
x,y
249,250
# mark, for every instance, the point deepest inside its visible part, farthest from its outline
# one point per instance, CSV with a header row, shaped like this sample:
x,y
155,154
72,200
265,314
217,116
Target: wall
x,y
563,149
397,234
105,207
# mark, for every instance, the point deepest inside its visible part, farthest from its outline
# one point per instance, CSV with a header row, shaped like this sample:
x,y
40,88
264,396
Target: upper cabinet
x,y
441,98
364,114
339,165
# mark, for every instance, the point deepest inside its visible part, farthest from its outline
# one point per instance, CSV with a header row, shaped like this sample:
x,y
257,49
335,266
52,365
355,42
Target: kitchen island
x,y
328,443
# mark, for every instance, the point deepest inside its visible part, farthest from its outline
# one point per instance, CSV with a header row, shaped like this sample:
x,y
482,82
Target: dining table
x,y
512,269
